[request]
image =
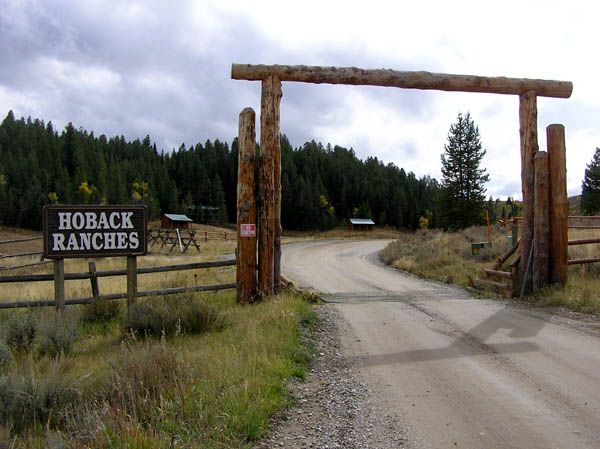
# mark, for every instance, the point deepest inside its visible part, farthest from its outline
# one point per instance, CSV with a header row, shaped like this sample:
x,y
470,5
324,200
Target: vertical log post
x,y
529,145
277,191
246,207
541,226
59,284
94,280
266,216
131,281
559,206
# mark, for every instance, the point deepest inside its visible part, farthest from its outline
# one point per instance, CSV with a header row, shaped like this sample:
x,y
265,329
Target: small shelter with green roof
x,y
175,221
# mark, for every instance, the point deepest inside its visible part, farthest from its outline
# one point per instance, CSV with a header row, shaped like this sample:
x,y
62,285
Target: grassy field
x,y
213,389
446,257
187,371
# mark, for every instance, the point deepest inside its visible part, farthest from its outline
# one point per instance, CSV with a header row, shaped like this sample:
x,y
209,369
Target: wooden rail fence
x,y
511,278
93,276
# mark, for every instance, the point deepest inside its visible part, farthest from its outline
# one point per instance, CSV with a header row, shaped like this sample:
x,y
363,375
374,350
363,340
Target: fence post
x,y
59,283
94,280
131,281
514,232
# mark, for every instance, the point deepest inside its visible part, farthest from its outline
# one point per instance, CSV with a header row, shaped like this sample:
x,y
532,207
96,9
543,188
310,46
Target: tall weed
x,y
181,314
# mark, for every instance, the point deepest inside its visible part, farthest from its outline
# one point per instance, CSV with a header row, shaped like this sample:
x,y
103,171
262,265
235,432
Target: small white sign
x,y
248,230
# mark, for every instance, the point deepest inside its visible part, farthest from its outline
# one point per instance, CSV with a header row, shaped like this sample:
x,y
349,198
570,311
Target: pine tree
x,y
463,181
590,188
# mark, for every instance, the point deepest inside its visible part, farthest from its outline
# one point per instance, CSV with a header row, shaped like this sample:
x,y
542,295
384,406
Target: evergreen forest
x,y
322,185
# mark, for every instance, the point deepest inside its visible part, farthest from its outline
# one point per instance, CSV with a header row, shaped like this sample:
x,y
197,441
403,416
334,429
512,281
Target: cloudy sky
x,y
163,68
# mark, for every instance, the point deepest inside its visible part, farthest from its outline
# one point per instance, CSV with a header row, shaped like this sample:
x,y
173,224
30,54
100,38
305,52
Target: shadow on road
x,y
474,342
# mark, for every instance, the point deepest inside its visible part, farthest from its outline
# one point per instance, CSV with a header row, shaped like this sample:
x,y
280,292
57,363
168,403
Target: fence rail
x,y
108,273
89,300
28,239
92,275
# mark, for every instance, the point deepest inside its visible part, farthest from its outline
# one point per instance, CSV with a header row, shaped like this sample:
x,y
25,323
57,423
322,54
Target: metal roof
x,y
178,217
362,221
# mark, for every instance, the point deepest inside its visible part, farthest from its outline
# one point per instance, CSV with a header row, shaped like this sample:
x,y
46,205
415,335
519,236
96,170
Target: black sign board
x,y
94,231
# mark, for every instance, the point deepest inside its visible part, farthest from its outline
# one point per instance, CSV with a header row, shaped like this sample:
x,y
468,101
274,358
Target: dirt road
x,y
458,372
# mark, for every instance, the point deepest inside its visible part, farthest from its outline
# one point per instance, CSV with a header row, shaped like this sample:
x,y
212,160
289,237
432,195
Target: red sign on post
x,y
247,230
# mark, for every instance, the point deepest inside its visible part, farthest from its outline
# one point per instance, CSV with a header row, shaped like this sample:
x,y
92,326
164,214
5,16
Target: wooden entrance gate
x,y
543,174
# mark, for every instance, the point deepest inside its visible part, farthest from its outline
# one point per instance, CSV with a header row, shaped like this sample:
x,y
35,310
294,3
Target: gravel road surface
x,y
434,368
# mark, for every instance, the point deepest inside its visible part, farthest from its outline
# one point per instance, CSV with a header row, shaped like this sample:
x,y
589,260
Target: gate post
x,y
529,146
269,124
559,207
541,227
246,208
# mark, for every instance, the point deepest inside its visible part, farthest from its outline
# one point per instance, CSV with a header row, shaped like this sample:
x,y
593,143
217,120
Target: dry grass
x,y
447,257
213,390
341,233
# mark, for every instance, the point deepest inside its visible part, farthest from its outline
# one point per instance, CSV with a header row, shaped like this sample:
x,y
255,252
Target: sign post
x,y
131,281
59,284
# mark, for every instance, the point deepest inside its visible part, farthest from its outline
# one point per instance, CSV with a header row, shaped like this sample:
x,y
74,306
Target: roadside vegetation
x,y
182,371
446,257
209,375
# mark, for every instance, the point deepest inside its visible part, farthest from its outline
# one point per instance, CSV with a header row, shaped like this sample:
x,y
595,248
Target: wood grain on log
x,y
277,189
529,146
403,79
559,205
266,215
541,231
246,207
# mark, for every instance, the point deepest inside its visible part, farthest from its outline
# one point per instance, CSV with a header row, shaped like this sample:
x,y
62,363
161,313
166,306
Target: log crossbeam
x,y
543,175
403,79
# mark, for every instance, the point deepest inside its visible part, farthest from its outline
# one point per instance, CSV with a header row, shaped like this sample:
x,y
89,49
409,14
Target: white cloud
x,y
158,68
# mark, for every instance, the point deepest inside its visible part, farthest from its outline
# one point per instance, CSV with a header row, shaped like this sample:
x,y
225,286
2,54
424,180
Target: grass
x,y
341,233
182,314
211,390
214,389
446,257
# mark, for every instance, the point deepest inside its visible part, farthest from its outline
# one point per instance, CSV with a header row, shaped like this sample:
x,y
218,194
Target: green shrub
x,y
5,355
35,393
170,316
101,311
21,330
57,332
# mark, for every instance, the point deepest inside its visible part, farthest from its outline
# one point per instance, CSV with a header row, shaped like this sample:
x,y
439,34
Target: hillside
x,y
322,185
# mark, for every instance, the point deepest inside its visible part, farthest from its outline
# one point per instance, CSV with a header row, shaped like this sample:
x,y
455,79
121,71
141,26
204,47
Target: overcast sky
x,y
163,68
